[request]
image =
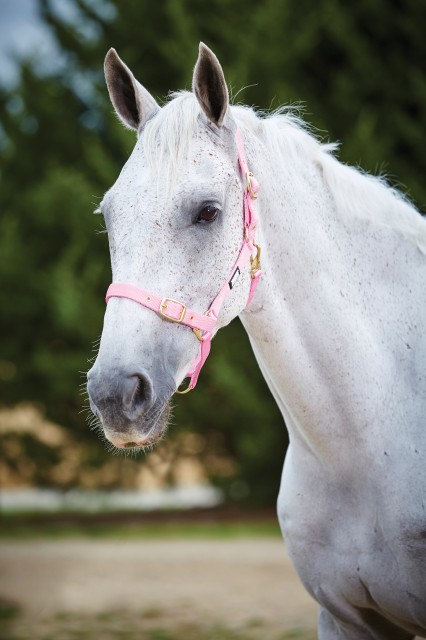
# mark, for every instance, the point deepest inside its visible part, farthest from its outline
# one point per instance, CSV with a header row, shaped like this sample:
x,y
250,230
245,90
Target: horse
x,y
220,212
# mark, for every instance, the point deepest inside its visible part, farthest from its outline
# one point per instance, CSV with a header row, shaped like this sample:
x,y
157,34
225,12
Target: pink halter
x,y
174,311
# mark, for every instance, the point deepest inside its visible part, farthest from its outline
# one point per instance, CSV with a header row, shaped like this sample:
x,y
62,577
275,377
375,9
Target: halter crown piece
x,y
174,311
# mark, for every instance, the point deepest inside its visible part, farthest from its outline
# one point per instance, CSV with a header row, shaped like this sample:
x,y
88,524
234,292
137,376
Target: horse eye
x,y
207,214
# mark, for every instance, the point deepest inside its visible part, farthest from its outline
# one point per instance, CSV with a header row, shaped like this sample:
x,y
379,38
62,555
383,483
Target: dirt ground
x,y
236,582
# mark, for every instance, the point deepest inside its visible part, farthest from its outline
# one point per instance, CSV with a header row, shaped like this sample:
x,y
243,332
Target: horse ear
x,y
132,102
209,85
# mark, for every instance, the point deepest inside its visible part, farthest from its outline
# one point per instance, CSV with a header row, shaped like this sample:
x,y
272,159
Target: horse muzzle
x,y
133,409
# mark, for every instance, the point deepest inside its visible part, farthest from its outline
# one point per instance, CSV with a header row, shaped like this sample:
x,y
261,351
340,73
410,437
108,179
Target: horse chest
x,y
349,554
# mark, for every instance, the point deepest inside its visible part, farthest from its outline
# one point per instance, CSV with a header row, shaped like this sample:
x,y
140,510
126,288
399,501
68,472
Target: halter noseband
x,y
174,311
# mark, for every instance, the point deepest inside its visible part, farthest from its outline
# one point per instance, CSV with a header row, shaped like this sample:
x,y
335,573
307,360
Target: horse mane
x,y
167,138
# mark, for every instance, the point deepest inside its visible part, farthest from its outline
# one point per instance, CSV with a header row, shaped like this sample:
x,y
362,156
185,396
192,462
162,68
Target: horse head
x,y
175,225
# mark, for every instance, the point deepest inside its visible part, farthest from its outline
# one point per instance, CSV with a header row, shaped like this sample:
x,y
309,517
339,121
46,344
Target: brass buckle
x,y
255,262
249,176
165,315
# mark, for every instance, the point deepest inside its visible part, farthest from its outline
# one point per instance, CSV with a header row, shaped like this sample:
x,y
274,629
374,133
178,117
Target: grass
x,y
120,625
11,529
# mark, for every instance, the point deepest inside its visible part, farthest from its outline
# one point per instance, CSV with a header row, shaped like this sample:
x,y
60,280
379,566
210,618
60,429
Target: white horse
x,y
337,324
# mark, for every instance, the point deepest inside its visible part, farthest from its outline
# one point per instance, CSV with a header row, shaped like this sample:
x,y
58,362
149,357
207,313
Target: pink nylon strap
x,y
168,308
203,324
250,217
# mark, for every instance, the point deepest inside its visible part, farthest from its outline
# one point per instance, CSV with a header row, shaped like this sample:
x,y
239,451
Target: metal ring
x,y
187,390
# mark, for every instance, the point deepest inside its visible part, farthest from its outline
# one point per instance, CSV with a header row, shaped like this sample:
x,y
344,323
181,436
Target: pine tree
x,y
356,68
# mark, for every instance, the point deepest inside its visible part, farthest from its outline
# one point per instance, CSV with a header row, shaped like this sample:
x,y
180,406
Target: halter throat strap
x,y
175,311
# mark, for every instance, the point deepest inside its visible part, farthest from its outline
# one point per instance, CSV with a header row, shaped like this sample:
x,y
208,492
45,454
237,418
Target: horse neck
x,y
313,323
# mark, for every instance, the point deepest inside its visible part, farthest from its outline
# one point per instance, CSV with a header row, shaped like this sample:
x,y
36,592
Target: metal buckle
x,y
165,315
255,262
249,176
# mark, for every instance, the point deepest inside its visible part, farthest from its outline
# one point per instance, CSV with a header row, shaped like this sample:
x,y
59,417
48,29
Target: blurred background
x,y
62,147
358,71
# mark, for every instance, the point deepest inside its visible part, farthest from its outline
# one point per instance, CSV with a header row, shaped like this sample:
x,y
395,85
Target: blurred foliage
x,y
355,65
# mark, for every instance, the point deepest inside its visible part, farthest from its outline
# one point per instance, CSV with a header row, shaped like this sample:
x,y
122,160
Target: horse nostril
x,y
137,394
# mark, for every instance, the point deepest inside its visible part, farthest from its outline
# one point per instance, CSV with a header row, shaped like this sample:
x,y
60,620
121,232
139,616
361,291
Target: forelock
x,y
167,137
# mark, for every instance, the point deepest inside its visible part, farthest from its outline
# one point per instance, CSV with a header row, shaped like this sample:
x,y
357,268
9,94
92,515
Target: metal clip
x,y
255,261
249,176
198,331
198,334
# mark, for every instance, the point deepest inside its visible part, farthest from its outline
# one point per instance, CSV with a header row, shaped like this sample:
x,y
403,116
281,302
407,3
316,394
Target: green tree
x,y
354,65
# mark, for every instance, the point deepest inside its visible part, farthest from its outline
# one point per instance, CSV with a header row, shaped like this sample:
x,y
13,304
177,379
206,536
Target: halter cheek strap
x,y
203,324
